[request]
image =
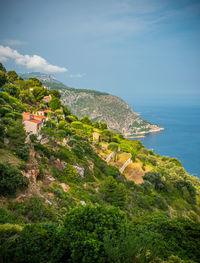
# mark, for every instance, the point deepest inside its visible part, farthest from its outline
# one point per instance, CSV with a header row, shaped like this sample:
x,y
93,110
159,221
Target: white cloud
x,y
13,42
76,75
34,62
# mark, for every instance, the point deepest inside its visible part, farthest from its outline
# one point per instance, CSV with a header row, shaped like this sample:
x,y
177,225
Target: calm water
x,y
181,137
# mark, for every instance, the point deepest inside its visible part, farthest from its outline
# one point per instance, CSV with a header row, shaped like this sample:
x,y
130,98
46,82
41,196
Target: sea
x,y
181,135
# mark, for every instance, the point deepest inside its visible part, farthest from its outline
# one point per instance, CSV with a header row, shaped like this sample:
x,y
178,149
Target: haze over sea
x,y
181,137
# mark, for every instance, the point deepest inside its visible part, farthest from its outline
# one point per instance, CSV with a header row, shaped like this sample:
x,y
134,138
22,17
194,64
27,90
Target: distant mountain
x,y
99,106
41,76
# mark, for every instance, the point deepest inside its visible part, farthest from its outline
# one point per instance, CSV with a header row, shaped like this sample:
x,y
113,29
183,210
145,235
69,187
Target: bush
x,y
82,237
71,174
156,179
5,216
23,152
183,186
44,149
112,192
32,244
54,104
33,210
64,154
176,162
86,120
77,125
11,179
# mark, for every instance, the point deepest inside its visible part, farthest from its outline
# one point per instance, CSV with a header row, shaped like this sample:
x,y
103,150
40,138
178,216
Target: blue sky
x,y
145,51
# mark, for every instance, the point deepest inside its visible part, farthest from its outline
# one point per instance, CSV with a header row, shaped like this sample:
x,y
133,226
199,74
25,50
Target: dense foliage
x,y
76,207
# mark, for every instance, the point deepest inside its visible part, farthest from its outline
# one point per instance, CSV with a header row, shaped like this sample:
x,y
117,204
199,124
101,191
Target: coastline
x,y
142,134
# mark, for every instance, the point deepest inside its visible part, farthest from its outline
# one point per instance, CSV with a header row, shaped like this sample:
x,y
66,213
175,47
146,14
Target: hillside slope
x,y
99,106
63,200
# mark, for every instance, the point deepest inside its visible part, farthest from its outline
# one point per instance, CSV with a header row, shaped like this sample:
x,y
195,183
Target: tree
x,y
21,84
121,195
11,179
66,111
2,78
113,146
54,104
104,126
11,89
2,132
55,93
86,120
34,243
39,93
96,125
11,76
81,239
2,68
62,125
26,96
156,179
108,189
32,82
16,134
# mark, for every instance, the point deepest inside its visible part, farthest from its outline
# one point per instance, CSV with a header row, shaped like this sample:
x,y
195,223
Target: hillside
x,y
99,106
66,194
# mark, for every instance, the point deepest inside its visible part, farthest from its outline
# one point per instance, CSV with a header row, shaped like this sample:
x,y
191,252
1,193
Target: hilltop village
x,y
71,190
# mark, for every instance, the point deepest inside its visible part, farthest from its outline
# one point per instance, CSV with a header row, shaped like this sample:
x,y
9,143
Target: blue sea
x,y
181,137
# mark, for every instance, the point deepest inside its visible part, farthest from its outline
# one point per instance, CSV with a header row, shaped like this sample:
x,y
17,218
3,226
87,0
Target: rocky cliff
x,y
99,106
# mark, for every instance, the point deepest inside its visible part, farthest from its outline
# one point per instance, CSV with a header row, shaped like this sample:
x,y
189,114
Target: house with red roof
x,y
32,126
32,122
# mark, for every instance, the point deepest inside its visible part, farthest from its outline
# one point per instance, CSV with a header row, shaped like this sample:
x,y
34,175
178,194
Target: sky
x,y
144,51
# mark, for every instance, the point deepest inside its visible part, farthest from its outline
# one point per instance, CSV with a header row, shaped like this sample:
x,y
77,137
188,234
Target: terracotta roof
x,y
35,121
38,116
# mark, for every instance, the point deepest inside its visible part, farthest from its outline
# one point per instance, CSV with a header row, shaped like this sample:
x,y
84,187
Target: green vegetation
x,y
113,146
11,179
61,202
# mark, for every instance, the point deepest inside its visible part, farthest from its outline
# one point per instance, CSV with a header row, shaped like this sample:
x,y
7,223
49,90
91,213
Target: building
x,y
96,136
32,122
47,99
32,126
40,112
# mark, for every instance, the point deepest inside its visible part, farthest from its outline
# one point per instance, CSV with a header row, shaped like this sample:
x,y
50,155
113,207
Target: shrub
x,y
54,104
33,210
11,179
64,154
5,216
77,125
82,237
23,152
86,120
156,179
176,162
33,244
71,174
184,185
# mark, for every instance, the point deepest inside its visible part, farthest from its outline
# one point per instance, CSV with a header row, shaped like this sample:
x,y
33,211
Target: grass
x,y
7,156
134,172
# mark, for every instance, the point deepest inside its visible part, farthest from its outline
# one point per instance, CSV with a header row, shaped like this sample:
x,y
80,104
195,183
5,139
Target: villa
x,y
32,122
32,126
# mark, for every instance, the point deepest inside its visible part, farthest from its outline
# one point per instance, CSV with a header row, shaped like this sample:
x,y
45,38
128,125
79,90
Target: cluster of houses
x,y
34,122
